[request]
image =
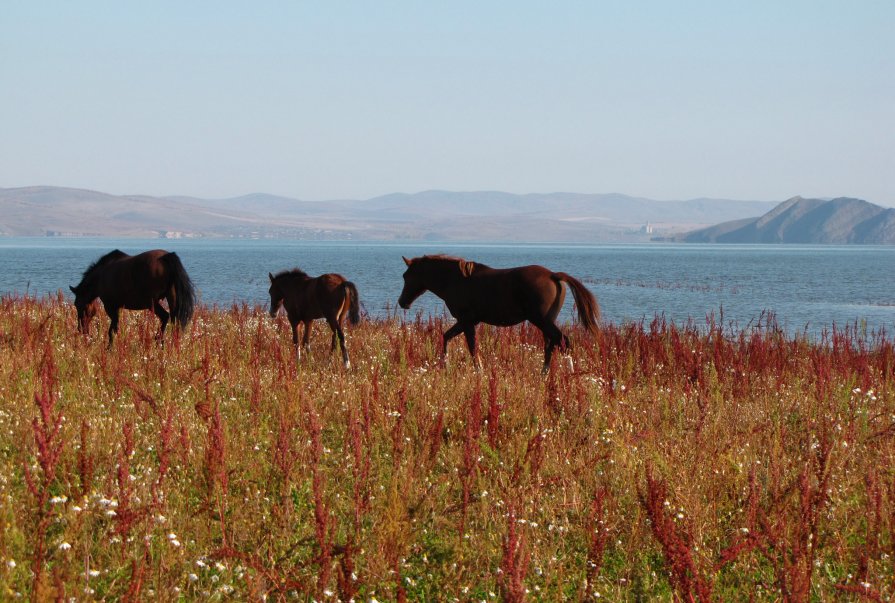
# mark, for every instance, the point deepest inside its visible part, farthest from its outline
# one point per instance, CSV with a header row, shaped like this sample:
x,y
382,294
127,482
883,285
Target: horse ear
x,y
73,290
466,268
406,261
270,276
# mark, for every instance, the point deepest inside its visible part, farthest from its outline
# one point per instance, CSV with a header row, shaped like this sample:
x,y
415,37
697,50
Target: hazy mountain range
x,y
429,215
797,220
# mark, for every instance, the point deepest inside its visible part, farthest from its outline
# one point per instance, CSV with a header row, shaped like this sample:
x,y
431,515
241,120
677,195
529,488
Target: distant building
x,y
176,234
647,228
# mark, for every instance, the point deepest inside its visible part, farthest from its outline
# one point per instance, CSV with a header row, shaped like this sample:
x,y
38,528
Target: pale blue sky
x,y
670,100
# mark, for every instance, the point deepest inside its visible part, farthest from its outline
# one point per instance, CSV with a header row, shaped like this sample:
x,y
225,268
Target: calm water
x,y
806,287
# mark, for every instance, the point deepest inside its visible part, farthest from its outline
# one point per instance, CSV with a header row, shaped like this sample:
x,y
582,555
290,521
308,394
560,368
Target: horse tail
x,y
353,302
184,292
588,308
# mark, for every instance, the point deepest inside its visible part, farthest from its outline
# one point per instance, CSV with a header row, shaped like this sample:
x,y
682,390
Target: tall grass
x,y
688,462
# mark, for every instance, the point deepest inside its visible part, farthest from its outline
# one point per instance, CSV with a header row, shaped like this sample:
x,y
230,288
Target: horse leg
x,y
163,317
565,346
469,332
113,325
171,298
306,337
552,337
337,331
446,337
294,327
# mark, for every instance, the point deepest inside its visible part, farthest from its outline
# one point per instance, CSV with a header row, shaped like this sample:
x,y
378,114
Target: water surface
x,y
806,287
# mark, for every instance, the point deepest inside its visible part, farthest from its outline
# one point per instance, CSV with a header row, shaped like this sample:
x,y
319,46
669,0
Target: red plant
x,y
436,436
346,579
534,455
789,538
676,541
125,515
598,535
165,448
324,525
514,564
255,399
493,410
284,455
138,575
870,548
400,413
215,466
86,462
48,440
470,453
360,470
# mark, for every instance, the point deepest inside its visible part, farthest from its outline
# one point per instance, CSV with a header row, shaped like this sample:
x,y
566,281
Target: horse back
x,y
522,280
503,296
135,282
316,297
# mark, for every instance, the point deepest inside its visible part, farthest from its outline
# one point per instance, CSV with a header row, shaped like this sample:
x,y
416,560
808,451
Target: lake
x,y
806,287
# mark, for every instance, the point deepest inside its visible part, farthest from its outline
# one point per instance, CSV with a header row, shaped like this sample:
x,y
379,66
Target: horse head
x,y
86,306
414,284
276,295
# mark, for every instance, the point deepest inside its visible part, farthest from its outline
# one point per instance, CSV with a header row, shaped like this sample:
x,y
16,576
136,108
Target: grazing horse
x,y
136,282
328,296
477,293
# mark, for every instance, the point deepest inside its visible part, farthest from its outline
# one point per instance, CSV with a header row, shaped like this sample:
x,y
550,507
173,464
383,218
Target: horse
x,y
476,293
306,298
136,282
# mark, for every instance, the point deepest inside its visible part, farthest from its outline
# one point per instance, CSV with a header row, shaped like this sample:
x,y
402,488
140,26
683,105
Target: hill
x,y
808,221
428,215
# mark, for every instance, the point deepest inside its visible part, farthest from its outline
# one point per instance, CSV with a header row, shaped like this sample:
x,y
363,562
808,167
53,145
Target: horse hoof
x,y
570,364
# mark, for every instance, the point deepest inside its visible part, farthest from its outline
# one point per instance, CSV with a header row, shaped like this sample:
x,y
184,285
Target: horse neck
x,y
443,278
295,286
89,286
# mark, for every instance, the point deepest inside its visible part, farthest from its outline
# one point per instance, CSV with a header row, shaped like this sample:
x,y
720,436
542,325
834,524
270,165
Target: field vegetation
x,y
667,462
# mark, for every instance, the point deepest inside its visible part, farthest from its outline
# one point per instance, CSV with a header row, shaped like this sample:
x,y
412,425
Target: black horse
x,y
136,282
329,296
477,293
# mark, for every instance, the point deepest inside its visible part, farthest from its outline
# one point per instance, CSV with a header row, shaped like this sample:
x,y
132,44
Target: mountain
x,y
818,221
46,210
427,215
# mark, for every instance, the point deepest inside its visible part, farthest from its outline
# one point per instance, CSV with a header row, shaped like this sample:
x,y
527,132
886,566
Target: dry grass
x,y
671,462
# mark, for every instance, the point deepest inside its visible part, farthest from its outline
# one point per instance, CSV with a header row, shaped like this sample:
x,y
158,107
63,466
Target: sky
x,y
757,100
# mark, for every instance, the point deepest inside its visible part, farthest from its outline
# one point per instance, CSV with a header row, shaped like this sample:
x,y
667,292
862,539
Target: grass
x,y
671,462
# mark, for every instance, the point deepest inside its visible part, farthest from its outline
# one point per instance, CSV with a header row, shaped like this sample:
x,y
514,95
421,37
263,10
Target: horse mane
x,y
466,266
109,257
443,256
294,273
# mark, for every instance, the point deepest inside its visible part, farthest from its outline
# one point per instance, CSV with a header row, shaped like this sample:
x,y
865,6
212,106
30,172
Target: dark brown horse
x,y
328,296
477,293
136,282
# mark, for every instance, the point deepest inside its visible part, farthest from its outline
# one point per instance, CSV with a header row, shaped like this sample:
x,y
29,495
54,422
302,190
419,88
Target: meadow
x,y
664,462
